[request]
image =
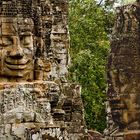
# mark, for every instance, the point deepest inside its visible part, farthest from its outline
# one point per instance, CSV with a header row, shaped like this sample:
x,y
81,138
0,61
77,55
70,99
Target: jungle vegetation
x,y
90,24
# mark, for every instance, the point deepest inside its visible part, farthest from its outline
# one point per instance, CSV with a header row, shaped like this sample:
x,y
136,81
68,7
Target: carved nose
x,y
17,52
16,55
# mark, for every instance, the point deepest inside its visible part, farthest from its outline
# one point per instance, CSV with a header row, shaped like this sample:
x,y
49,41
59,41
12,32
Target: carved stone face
x,y
131,115
16,49
126,107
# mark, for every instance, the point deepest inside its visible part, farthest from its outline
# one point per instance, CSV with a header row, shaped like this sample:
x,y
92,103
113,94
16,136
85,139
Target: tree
x,y
127,1
90,26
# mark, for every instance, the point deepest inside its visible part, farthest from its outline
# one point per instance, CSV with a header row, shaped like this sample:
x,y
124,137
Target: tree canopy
x,y
90,26
127,1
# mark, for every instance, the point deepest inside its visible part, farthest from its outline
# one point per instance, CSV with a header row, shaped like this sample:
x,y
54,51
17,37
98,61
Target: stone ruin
x,y
123,105
36,100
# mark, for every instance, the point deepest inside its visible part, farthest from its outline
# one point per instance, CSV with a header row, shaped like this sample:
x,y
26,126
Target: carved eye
x,y
26,39
5,41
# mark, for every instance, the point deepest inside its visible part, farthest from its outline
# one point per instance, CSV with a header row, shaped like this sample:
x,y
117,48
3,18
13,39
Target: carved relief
x,y
16,49
123,75
36,100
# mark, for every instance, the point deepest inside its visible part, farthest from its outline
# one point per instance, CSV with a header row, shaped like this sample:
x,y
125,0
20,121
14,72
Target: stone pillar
x,y
36,100
123,72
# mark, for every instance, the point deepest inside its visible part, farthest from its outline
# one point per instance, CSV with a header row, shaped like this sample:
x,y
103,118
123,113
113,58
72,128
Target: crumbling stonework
x,y
123,106
36,100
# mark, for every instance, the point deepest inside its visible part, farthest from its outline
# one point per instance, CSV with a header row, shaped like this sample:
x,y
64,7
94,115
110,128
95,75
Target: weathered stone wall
x,y
123,106
36,100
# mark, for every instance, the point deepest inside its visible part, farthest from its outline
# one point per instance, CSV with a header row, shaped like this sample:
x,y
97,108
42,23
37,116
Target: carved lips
x,y
17,64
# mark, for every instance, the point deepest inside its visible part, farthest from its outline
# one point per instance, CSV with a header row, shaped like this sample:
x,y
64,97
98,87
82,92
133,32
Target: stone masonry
x,y
123,106
36,100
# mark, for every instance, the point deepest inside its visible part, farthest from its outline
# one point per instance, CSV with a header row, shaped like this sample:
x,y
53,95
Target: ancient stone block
x,y
123,106
36,100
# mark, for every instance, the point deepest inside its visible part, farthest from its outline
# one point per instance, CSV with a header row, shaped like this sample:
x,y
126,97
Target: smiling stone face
x,y
16,49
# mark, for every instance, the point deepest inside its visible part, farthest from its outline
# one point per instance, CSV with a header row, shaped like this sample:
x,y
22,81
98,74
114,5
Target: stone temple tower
x,y
123,107
36,100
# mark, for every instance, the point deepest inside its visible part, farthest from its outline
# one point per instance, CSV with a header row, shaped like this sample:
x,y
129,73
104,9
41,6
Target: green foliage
x,y
89,26
123,2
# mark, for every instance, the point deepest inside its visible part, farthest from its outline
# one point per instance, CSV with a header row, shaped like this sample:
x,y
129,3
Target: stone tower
x,y
36,100
123,106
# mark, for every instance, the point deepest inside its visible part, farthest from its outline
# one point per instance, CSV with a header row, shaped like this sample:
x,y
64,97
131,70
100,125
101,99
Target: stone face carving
x,y
36,100
123,107
16,49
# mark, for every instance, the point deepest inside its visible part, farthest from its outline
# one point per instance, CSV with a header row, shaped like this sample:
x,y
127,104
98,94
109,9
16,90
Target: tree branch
x,y
100,2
